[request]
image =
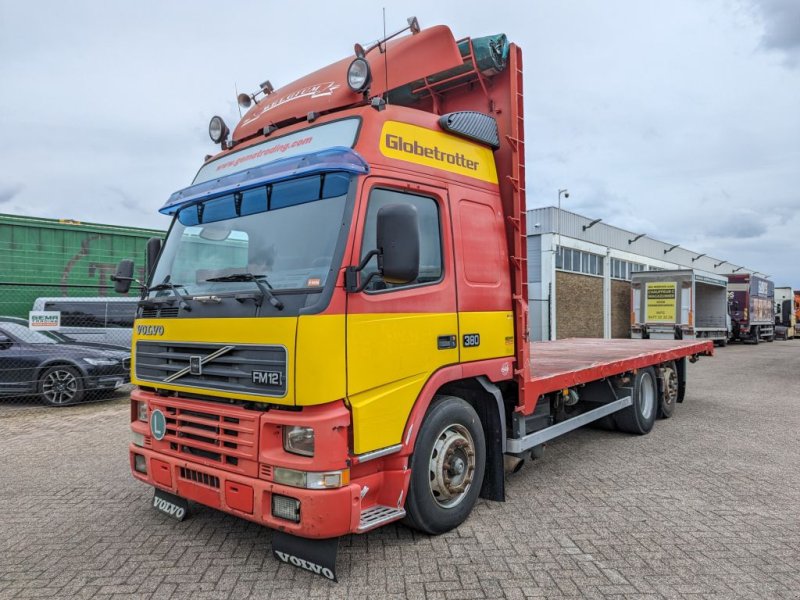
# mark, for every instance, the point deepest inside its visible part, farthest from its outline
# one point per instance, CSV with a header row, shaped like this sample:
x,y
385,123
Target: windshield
x,y
285,231
26,335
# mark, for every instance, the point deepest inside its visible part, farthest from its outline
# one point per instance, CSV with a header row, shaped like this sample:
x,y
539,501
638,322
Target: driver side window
x,y
430,256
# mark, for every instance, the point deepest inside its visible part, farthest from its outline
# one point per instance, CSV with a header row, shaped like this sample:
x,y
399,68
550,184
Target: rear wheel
x,y
669,391
61,385
639,417
756,335
447,467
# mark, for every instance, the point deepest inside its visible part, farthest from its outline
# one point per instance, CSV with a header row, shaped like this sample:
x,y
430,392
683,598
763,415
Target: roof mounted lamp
x,y
359,75
699,256
217,130
671,249
640,236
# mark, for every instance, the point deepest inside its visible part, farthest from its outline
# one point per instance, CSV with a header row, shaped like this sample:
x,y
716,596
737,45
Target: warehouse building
x,y
579,272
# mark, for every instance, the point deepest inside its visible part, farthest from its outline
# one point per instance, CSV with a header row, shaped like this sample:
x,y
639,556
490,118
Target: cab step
x,y
378,515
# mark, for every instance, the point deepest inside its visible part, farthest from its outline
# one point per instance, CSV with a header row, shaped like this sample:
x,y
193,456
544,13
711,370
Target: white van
x,y
94,320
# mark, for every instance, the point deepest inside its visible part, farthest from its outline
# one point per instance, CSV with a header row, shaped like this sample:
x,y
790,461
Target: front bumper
x,y
323,513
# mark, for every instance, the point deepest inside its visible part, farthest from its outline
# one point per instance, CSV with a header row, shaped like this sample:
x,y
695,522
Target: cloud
x,y
8,191
781,23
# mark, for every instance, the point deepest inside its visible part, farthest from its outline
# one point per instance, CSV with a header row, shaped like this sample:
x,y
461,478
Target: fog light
x,y
287,508
140,463
137,439
141,411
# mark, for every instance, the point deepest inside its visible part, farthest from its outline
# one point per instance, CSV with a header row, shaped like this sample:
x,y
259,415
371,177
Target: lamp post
x,y
564,193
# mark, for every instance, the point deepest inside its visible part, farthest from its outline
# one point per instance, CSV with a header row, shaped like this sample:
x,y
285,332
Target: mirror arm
x,y
351,273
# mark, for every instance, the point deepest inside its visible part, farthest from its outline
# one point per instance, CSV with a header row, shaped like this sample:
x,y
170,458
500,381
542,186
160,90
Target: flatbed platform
x,y
565,363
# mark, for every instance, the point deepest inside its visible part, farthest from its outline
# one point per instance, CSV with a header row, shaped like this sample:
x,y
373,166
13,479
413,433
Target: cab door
x,y
398,335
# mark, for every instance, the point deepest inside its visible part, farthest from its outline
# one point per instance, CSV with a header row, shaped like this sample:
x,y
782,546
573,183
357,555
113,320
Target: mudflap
x,y
170,505
317,556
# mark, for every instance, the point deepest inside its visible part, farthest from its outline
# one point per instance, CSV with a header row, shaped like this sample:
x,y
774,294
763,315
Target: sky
x,y
676,119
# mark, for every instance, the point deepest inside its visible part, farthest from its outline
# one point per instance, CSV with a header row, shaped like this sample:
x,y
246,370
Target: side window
x,y
430,251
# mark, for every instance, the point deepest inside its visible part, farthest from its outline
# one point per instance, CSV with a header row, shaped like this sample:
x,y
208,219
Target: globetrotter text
x,y
396,142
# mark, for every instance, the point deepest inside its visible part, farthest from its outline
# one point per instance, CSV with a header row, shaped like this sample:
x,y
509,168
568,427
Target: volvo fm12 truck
x,y
681,304
751,302
334,335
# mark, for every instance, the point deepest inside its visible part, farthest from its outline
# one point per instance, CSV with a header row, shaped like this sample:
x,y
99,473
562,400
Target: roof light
x,y
359,75
217,129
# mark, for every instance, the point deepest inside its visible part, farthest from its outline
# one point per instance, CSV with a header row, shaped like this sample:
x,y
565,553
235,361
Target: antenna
x,y
385,61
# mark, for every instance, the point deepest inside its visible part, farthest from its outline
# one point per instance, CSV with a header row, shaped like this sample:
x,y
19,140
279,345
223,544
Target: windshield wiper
x,y
260,280
168,285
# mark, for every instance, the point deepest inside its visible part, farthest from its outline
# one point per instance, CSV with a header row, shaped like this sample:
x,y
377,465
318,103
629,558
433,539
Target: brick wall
x,y
620,309
579,305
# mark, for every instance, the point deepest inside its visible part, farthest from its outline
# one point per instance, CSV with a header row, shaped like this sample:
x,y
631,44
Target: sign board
x,y
44,320
661,302
312,139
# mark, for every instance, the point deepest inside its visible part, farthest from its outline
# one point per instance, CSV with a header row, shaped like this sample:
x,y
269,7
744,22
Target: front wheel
x,y
447,467
640,416
61,385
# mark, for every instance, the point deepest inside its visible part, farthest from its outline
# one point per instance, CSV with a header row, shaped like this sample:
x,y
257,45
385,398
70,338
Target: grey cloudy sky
x,y
680,119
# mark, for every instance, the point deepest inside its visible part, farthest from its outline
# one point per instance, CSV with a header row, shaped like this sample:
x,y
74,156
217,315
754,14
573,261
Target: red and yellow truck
x,y
334,335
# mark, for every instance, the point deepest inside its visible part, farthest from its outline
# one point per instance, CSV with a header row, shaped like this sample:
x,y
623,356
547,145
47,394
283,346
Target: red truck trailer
x,y
335,332
751,302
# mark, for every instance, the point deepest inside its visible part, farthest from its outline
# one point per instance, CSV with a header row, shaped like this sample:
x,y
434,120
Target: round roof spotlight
x,y
217,129
359,75
244,100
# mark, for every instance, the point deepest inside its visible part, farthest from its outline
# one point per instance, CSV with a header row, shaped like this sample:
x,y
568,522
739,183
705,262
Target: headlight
x,y
298,440
359,75
217,130
141,411
102,362
311,480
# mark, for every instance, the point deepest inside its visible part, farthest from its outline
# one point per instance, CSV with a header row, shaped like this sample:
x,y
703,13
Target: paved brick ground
x,y
707,506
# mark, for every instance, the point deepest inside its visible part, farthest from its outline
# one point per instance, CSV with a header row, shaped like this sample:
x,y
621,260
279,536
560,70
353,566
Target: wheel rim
x,y
647,397
60,386
451,466
670,386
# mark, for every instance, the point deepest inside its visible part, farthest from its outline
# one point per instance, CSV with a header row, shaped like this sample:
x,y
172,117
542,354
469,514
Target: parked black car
x,y
49,366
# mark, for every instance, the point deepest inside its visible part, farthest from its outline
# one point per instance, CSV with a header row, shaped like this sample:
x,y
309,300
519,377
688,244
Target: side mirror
x,y
5,341
398,242
123,277
153,249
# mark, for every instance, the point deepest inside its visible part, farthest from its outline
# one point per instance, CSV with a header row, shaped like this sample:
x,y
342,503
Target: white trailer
x,y
679,304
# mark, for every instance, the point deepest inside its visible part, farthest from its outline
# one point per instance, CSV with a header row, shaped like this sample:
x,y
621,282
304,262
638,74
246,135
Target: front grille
x,y
160,312
214,435
201,478
257,370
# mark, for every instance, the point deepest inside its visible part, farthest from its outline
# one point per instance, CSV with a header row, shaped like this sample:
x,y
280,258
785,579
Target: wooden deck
x,y
564,363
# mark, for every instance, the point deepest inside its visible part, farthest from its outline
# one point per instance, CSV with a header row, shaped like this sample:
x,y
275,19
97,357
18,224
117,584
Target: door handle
x,y
446,342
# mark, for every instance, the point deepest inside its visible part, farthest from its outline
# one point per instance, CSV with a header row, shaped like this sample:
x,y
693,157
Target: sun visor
x,y
331,160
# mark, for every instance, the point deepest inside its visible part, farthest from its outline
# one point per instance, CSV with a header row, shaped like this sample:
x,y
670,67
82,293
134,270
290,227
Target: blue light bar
x,y
332,159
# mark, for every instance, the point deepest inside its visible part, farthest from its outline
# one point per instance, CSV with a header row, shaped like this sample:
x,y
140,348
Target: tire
x,y
639,417
61,385
447,467
723,343
668,397
770,338
756,335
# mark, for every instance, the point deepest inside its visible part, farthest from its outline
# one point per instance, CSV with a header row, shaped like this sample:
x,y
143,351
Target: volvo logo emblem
x,y
158,424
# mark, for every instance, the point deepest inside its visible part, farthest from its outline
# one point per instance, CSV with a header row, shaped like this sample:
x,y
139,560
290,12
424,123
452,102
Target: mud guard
x,y
316,556
681,364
